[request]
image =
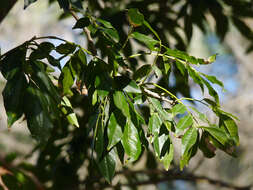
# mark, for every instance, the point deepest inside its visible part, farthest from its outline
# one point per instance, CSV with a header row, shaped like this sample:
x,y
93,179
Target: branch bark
x,y
5,7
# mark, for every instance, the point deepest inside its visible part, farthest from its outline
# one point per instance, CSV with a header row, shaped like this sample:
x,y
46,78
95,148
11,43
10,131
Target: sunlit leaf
x,y
184,123
131,141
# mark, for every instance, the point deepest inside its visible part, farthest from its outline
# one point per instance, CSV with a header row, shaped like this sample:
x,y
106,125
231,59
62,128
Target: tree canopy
x,y
113,102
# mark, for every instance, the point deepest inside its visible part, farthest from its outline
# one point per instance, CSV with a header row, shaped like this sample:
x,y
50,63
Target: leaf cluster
x,y
129,108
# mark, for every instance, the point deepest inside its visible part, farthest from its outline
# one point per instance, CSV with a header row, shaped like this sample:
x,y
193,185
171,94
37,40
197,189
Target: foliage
x,y
129,107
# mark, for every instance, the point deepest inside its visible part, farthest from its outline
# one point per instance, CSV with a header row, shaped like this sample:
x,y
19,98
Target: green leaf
x,y
82,57
114,132
184,123
46,47
211,91
53,61
131,141
121,103
64,4
73,119
212,58
160,145
201,116
167,159
181,67
231,127
107,166
38,118
196,77
99,139
135,18
189,139
218,133
188,155
151,29
28,2
213,80
148,41
66,48
112,33
71,116
13,95
132,87
154,124
105,23
67,79
142,72
12,62
82,23
178,109
158,72
165,116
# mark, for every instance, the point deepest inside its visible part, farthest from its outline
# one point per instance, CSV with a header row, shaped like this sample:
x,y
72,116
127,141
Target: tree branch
x,y
171,175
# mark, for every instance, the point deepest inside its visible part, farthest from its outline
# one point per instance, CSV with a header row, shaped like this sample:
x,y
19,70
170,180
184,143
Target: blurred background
x,y
233,66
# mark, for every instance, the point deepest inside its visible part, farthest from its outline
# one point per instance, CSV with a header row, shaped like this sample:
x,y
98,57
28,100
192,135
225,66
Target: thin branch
x,y
156,95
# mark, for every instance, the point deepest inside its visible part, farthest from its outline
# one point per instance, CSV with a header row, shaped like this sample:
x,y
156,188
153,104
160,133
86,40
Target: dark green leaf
x,y
107,166
82,23
28,2
114,132
64,4
135,18
151,29
99,139
67,79
131,141
13,95
46,47
82,56
66,48
142,72
37,115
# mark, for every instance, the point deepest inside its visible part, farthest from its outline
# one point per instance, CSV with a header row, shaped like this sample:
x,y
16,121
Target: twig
x,y
156,95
